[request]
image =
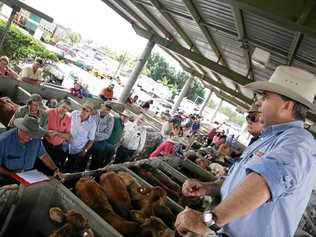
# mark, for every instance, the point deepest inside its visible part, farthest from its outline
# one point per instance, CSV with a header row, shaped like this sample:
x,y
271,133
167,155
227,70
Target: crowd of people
x,y
265,191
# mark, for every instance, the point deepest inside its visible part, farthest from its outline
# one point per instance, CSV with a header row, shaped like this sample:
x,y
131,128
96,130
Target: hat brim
x,y
276,88
33,134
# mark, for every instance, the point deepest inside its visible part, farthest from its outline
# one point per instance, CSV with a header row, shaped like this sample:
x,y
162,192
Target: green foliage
x,y
124,59
233,116
73,37
19,46
158,69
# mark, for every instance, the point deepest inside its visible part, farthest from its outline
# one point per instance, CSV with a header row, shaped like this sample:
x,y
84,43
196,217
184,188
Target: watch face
x,y
207,217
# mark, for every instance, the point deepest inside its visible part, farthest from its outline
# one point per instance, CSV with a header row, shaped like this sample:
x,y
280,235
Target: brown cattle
x,y
7,110
202,163
74,224
154,227
116,192
92,193
153,204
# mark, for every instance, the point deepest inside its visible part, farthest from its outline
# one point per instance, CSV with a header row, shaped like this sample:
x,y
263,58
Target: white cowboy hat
x,y
294,83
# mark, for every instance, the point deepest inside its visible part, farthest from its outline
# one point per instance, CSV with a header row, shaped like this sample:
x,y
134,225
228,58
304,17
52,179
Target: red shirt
x,y
166,147
57,124
107,92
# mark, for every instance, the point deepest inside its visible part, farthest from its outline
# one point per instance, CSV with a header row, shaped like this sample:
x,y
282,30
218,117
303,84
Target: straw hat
x,y
294,83
88,105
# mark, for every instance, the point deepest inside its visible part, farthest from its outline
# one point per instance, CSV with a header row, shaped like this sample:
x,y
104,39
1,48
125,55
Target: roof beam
x,y
219,85
198,58
160,8
309,5
199,21
118,11
146,13
129,11
231,100
242,36
15,4
284,12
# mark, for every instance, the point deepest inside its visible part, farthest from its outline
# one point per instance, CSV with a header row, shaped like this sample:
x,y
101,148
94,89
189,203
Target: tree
x,y
73,37
158,69
19,46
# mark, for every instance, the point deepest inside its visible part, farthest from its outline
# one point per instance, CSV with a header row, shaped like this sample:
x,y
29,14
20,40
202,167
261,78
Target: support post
x,y
7,27
216,110
183,93
206,100
138,68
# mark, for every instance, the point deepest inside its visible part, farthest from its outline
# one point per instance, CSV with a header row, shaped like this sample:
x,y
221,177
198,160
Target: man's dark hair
x,y
299,110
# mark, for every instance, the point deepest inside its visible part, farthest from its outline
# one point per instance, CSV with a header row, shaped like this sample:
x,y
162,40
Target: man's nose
x,y
258,103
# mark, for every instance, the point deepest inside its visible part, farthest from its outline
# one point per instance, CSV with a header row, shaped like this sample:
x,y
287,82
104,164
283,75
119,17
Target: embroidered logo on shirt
x,y
259,153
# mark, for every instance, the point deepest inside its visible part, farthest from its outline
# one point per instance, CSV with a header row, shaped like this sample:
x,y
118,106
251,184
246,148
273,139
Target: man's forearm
x,y
5,172
88,145
64,135
48,162
213,188
250,194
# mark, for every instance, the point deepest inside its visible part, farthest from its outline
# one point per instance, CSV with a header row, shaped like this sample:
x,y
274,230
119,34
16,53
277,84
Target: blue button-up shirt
x,y
16,156
285,156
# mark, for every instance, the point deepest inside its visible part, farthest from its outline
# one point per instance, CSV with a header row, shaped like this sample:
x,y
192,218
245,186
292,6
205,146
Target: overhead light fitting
x,y
260,58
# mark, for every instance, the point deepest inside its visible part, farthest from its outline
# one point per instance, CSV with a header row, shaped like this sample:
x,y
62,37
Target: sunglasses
x,y
253,118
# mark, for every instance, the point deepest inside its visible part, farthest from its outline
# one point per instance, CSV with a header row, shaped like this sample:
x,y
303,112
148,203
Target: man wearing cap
x,y
21,147
105,124
107,93
267,190
83,129
33,73
255,124
33,107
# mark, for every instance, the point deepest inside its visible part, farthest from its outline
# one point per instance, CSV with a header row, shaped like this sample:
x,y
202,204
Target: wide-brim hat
x,y
294,83
30,125
89,105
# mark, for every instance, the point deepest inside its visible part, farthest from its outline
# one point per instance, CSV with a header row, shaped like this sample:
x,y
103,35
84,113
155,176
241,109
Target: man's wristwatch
x,y
209,219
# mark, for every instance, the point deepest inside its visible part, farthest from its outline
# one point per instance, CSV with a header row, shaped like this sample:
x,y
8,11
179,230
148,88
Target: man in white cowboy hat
x,y
20,147
267,190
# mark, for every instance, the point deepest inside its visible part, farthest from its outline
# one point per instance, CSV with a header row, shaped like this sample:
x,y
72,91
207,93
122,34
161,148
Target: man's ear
x,y
288,105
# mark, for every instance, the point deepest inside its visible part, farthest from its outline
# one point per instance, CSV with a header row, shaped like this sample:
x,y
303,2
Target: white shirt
x,y
104,126
28,72
81,132
134,137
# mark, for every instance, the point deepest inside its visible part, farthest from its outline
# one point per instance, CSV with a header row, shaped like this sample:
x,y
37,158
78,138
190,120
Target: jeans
x,y
101,152
76,163
123,155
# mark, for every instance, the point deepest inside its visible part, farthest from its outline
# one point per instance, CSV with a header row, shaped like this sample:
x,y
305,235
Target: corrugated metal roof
x,y
218,17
